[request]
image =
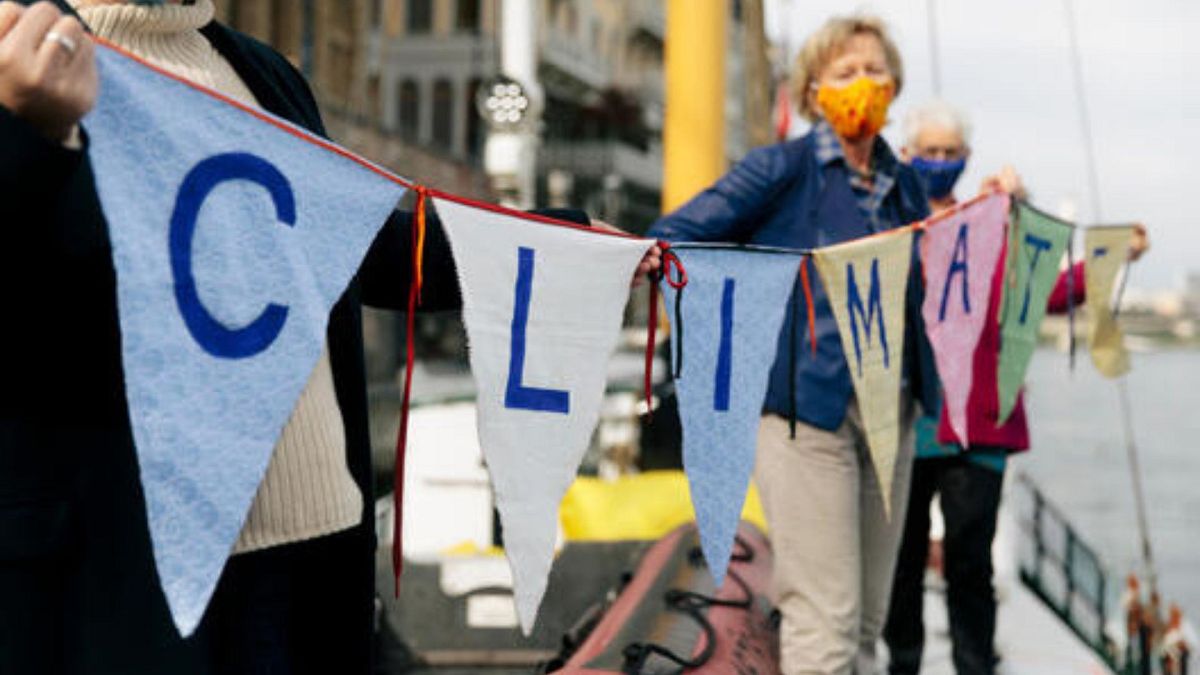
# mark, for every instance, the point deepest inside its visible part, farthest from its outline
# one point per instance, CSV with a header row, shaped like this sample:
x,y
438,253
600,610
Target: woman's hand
x,y
1008,180
47,68
1139,244
651,262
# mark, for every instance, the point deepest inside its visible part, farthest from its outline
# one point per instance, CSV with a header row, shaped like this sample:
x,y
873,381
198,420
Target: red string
x,y
808,300
414,298
651,329
669,260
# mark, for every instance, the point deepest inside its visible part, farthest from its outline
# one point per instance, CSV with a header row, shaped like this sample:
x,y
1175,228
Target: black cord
x,y
678,332
693,605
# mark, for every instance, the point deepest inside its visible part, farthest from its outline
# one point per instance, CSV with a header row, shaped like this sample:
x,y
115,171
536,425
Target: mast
x,y
935,63
758,75
694,129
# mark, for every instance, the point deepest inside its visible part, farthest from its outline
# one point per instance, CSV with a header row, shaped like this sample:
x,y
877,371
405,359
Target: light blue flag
x,y
732,309
232,238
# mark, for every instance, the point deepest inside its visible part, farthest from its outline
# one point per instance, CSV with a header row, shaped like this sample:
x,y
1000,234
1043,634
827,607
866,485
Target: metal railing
x,y
1065,572
1067,575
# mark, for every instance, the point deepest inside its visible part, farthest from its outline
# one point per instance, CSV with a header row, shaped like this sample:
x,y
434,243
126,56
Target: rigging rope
x,y
1085,125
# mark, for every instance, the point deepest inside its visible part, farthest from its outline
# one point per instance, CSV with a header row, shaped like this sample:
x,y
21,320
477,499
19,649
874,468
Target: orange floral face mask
x,y
858,109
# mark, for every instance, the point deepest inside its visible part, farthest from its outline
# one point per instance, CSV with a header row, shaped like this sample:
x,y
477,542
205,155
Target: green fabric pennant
x,y
1034,251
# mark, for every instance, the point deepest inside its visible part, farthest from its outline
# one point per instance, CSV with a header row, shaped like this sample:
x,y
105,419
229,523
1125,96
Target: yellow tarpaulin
x,y
639,506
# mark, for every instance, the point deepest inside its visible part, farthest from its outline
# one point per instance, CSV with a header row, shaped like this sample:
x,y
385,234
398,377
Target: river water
x,y
1078,458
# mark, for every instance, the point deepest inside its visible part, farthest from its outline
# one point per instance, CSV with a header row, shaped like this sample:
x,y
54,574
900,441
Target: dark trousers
x,y
970,498
299,609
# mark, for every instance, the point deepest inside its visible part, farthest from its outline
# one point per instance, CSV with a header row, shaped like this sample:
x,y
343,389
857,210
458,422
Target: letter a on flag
x,y
866,280
1035,247
731,311
232,238
1107,249
959,252
542,307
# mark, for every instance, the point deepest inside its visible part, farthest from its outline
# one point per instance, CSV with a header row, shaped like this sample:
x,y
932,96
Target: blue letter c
x,y
213,336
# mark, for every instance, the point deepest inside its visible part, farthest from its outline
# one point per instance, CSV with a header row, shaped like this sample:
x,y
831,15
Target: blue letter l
x,y
517,395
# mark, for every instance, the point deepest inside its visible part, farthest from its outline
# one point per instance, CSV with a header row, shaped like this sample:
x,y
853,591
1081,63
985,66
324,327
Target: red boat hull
x,y
669,618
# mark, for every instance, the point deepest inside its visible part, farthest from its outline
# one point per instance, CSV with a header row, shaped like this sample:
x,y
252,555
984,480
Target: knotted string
x,y
414,299
671,260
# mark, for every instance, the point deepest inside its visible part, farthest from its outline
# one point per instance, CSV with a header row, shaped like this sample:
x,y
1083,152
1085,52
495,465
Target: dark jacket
x,y
781,195
78,589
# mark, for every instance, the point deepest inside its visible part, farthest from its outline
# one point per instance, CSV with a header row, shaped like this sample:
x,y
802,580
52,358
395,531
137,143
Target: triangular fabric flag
x,y
731,311
959,253
1107,249
867,280
543,307
1035,247
232,239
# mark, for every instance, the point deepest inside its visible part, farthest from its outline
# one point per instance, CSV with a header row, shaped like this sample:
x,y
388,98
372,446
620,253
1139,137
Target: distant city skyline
x,y
1008,65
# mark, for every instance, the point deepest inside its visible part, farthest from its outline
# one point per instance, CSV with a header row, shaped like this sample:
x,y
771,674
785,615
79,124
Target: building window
x,y
572,23
467,18
474,120
443,114
408,110
420,16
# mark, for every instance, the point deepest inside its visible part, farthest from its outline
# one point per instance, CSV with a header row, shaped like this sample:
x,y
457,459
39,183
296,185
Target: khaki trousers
x,y
835,550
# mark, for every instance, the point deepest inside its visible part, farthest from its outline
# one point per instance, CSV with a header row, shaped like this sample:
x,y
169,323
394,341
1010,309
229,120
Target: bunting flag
x,y
730,311
1035,247
232,239
959,253
866,280
543,307
1107,249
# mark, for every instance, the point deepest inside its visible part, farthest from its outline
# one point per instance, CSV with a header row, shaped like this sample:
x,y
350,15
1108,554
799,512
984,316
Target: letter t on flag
x,y
1035,248
543,306
233,235
866,280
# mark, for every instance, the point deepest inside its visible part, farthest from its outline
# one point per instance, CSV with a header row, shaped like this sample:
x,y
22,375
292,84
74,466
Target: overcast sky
x,y
1008,64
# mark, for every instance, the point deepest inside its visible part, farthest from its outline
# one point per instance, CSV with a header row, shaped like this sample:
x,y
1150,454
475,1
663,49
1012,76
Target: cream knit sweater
x,y
308,490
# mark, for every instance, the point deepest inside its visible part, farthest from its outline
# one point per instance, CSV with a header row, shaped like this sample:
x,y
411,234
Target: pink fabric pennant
x,y
959,252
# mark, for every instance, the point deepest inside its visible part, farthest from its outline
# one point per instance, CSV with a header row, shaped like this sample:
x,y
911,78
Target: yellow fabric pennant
x,y
866,280
1106,249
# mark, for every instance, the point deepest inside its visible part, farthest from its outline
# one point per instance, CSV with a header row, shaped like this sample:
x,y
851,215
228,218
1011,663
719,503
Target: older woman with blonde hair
x,y
835,546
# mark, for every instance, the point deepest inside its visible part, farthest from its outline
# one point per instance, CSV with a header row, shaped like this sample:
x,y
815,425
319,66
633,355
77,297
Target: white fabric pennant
x,y
543,307
232,239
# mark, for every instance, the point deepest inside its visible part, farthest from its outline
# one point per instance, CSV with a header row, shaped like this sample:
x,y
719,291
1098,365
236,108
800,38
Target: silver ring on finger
x,y
67,43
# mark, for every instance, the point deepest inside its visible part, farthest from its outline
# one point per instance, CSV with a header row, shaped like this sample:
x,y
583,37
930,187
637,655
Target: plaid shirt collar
x,y
870,193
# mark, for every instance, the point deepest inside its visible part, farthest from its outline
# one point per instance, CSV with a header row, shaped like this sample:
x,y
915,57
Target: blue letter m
x,y
874,311
517,395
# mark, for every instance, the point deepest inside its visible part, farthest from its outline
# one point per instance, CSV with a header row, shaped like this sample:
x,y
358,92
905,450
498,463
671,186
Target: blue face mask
x,y
939,176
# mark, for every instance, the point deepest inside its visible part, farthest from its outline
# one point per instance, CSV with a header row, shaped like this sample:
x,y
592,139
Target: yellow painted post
x,y
694,130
